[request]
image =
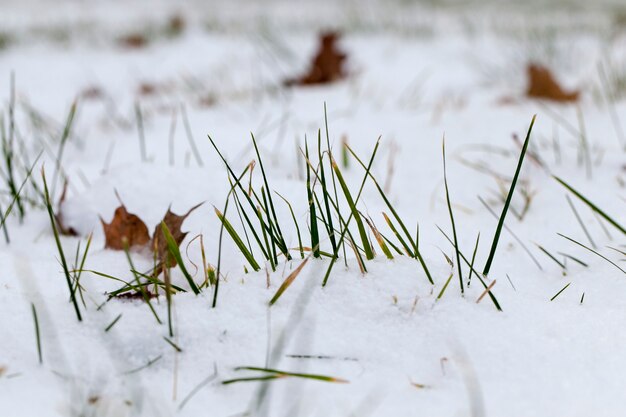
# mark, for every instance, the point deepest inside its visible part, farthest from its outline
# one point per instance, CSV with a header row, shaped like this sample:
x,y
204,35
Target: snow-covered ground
x,y
418,73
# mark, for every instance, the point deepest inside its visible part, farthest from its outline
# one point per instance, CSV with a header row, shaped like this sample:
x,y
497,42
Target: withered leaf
x,y
125,229
174,223
542,84
327,65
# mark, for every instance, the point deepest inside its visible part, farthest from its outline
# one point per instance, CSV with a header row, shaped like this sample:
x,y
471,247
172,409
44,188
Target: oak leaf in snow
x,y
174,223
328,63
125,229
542,84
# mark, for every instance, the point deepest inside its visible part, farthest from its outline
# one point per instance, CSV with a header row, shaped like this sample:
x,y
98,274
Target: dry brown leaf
x,y
133,41
174,223
327,65
542,84
125,229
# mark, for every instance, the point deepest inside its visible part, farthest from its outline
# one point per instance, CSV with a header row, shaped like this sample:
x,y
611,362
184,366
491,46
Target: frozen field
x,y
118,99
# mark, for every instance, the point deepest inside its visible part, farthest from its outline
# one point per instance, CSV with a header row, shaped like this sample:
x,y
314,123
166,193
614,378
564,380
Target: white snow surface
x,y
412,82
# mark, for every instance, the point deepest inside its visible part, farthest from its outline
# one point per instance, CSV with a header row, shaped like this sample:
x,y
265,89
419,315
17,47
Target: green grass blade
x,y
591,205
443,290
315,238
456,242
175,252
369,254
37,333
233,234
509,197
60,247
287,282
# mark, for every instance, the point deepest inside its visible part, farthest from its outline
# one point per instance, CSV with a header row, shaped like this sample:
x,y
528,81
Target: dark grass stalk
x,y
347,223
192,142
592,251
469,279
321,216
591,205
517,239
246,195
168,298
141,368
496,237
252,379
287,282
369,254
398,236
393,246
272,228
172,344
241,212
315,239
573,258
283,245
113,323
274,374
60,247
330,155
325,193
175,252
171,138
37,333
445,286
197,388
549,255
560,291
456,243
395,215
584,144
8,150
267,243
233,234
64,138
141,133
295,222
139,287
5,230
222,227
379,238
610,101
6,214
81,266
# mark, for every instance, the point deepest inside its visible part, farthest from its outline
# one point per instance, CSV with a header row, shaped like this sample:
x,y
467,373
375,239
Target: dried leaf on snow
x,y
542,84
125,227
328,63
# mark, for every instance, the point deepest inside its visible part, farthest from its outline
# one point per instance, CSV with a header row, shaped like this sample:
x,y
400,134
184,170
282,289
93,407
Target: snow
x,y
412,83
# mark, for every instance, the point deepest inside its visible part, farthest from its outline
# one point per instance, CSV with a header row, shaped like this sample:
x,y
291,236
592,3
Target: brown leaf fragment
x,y
125,229
328,63
133,41
174,223
542,84
134,295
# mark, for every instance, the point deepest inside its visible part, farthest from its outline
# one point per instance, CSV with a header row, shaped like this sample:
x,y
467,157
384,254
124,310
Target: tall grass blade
x,y
287,282
60,247
509,197
591,205
456,243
